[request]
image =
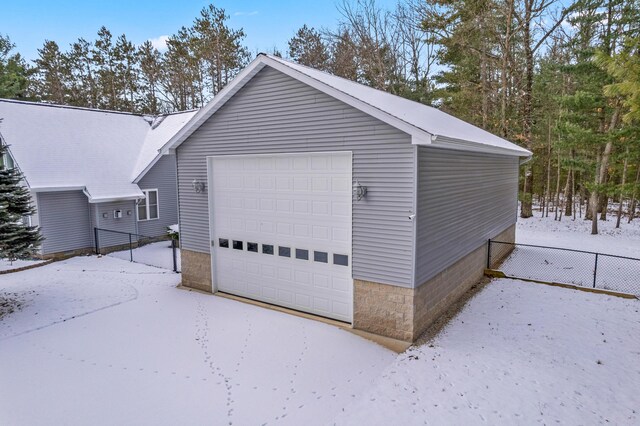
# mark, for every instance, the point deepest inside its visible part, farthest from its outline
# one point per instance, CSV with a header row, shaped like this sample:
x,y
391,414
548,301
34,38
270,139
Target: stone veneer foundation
x,y
405,313
196,270
387,310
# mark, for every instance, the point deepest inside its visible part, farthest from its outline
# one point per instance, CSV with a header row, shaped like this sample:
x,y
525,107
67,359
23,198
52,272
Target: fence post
x,y
95,236
130,250
173,252
489,253
595,272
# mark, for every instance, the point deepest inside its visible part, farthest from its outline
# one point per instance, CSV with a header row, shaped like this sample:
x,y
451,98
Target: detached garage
x,y
305,190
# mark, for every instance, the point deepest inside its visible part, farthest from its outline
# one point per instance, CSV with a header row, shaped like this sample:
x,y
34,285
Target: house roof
x,y
426,125
100,152
162,129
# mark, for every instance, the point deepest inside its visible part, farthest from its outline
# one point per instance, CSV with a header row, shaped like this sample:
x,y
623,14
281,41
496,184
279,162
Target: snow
x,y
577,268
69,148
105,341
99,340
568,233
6,265
155,254
519,353
162,129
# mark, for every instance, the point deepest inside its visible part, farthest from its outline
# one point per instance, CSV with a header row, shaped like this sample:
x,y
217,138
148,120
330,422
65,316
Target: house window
x,y
148,208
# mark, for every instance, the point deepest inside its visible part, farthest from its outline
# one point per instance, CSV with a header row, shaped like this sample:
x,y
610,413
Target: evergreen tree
x,y
307,48
219,46
104,58
150,77
83,85
52,74
18,240
14,73
127,73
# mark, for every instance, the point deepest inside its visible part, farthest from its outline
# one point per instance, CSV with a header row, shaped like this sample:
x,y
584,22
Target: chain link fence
x,y
566,266
154,251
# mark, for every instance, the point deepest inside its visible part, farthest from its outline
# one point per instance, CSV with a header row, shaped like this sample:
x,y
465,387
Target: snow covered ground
x,y
568,233
519,353
6,265
106,341
155,254
568,267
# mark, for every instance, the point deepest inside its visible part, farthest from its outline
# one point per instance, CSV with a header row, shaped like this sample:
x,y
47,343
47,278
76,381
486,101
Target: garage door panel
x,y
285,203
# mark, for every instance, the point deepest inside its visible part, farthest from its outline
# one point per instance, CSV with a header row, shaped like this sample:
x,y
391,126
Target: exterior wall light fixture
x,y
359,191
197,185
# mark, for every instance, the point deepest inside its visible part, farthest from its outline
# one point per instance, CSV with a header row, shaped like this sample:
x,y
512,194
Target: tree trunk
x,y
548,190
557,202
568,190
483,88
527,196
632,207
592,211
505,70
603,205
623,182
601,171
573,192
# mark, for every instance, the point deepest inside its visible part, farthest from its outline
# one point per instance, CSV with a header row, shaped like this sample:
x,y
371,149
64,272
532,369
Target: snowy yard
x,y
568,233
6,265
155,254
571,267
519,353
106,341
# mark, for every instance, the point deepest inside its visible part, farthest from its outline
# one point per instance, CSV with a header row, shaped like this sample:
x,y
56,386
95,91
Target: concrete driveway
x,y
104,341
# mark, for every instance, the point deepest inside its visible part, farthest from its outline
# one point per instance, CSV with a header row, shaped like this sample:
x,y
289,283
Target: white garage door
x,y
281,230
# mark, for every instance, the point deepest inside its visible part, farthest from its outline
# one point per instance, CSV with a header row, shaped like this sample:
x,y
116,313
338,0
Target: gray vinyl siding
x,y
464,198
64,221
275,113
162,177
125,224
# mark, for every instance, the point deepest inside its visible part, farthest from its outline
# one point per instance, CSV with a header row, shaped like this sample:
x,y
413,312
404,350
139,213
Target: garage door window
x,y
302,254
267,249
320,256
341,259
237,245
284,251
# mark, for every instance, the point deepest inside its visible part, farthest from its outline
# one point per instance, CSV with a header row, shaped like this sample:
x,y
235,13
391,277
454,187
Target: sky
x,y
268,24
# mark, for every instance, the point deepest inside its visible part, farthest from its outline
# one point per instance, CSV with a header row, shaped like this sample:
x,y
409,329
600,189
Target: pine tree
x,y
53,74
150,75
18,240
14,73
307,48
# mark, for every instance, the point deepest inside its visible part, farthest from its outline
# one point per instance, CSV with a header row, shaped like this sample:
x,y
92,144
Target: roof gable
x,y
426,125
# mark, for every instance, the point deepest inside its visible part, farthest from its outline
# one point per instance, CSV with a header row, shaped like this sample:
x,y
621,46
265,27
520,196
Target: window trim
x,y
146,194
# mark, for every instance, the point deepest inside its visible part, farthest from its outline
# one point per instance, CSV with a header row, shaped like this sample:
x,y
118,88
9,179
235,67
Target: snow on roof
x,y
59,147
162,129
426,125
